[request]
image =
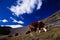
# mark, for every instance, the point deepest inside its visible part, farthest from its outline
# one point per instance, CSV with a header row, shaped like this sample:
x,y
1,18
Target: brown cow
x,y
37,26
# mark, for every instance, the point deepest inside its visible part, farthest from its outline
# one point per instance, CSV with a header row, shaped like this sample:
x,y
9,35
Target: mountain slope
x,y
21,30
54,19
53,33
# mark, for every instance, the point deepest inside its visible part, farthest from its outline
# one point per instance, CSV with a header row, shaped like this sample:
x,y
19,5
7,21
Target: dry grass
x,y
53,33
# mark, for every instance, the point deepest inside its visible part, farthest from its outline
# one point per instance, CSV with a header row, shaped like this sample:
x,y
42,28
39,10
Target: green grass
x,y
53,33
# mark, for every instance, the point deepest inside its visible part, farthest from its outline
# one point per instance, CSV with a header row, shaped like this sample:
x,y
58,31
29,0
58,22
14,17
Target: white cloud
x,y
39,4
13,26
20,22
14,20
25,6
4,20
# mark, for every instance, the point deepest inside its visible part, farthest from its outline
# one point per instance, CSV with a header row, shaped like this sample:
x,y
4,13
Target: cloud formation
x,y
25,6
13,26
4,20
14,20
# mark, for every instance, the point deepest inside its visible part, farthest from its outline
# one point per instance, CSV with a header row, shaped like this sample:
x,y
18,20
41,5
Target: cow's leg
x,y
38,30
31,30
45,29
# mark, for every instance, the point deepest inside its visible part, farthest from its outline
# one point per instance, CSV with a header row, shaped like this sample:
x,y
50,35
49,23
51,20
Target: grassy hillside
x,y
53,33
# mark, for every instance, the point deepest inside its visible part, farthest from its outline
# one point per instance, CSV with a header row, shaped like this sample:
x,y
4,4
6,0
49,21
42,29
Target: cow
x,y
37,26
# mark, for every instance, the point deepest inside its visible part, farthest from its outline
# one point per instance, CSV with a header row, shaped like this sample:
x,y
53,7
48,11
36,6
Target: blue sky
x,y
9,17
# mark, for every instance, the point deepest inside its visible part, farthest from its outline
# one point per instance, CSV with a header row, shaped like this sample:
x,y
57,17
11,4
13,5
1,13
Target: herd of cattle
x,y
37,26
